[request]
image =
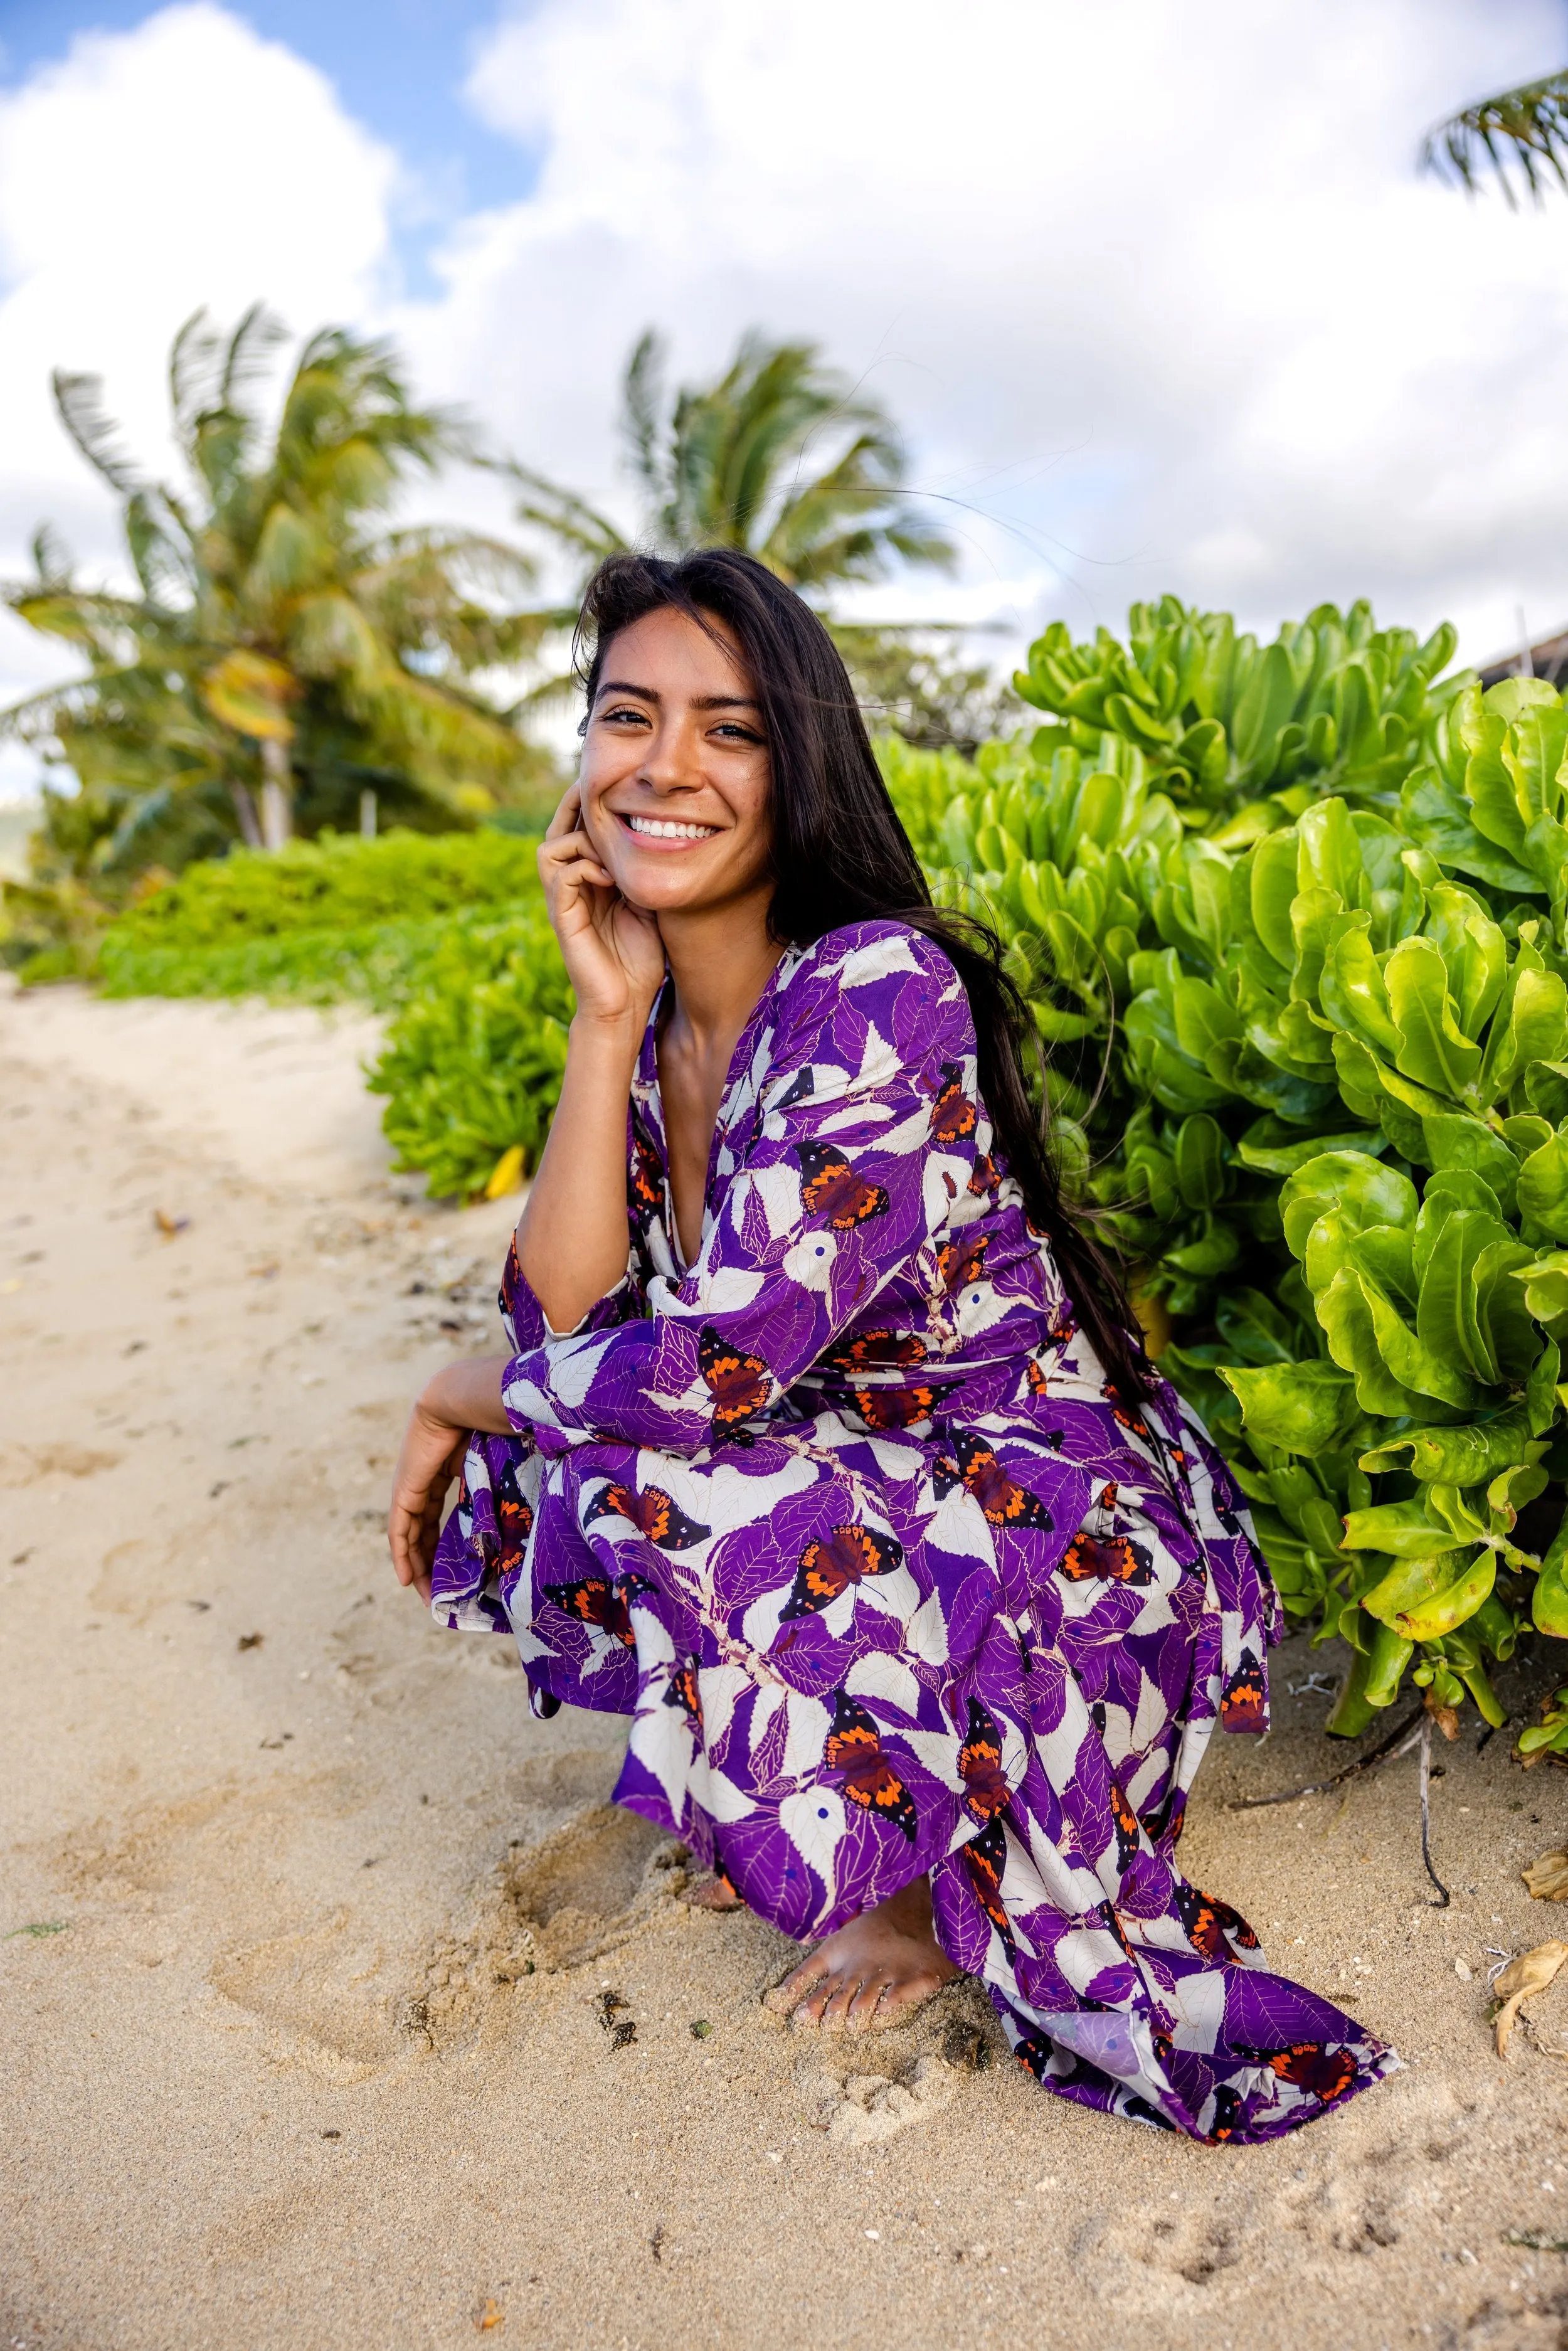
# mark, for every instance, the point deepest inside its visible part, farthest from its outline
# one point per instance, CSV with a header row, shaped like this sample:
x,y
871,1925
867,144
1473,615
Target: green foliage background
x,y
1293,921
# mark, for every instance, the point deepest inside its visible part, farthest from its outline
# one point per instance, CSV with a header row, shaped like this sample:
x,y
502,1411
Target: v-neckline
x,y
740,1060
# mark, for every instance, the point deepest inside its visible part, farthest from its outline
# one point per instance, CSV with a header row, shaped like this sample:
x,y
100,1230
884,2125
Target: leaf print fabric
x,y
845,1516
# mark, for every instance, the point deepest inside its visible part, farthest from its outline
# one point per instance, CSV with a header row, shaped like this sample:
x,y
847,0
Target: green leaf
x,y
1459,1586
1541,1393
1359,1190
1268,1148
1422,1370
1273,893
1549,1601
1453,1141
1469,1455
1410,1530
1352,988
1415,1581
1307,1408
1387,1657
1435,1051
1546,1089
1200,1162
1543,1187
1253,1329
1448,1321
1348,1312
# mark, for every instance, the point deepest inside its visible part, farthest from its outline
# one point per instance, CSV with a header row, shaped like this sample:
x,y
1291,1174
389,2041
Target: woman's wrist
x,y
613,1038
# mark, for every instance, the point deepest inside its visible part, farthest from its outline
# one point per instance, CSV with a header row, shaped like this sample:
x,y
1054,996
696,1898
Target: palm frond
x,y
78,399
1526,129
569,520
52,561
641,396
194,359
250,348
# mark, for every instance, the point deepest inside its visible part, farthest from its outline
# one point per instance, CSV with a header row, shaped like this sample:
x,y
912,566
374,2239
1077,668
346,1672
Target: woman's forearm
x,y
572,1235
467,1395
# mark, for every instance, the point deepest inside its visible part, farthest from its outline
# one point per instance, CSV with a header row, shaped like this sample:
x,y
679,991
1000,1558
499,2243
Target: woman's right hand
x,y
613,954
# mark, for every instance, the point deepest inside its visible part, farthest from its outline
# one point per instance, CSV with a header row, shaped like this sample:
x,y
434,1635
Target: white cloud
x,y
1155,290
146,173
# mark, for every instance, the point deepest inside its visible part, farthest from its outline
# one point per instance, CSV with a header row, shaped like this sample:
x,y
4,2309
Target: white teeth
x,y
663,829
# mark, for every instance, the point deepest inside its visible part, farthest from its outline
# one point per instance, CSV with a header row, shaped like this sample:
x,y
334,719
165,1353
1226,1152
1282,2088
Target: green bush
x,y
473,1061
336,882
321,922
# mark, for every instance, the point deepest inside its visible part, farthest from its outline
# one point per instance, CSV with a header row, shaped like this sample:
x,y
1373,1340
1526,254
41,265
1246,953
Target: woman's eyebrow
x,y
701,702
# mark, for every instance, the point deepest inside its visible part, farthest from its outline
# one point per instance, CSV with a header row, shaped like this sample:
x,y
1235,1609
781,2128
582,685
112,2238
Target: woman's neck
x,y
720,961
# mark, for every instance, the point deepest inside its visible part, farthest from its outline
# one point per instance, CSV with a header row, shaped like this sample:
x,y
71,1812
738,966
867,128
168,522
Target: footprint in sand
x,y
573,1896
858,2109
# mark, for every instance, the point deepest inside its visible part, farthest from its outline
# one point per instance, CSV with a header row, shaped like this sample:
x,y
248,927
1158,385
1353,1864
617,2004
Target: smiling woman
x,y
824,1452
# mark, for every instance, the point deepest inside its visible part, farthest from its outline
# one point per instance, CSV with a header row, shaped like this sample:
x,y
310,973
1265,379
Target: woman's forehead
x,y
666,654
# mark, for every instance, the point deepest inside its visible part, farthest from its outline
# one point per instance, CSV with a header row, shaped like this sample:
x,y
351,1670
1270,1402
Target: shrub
x,y
473,1061
336,882
319,922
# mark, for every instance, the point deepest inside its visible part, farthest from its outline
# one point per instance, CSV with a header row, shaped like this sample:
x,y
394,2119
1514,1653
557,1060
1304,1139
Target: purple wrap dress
x,y
846,1519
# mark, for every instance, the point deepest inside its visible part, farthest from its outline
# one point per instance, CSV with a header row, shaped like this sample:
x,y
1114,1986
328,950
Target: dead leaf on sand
x,y
488,2316
1547,1877
1531,1973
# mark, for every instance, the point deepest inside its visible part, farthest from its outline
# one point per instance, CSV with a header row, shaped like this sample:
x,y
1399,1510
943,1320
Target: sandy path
x,y
284,2077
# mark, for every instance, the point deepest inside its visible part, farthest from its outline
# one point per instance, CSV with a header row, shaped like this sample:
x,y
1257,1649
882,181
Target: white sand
x,y
283,2080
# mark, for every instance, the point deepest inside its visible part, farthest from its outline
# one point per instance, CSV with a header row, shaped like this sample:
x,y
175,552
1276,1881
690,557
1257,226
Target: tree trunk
x,y
244,808
367,815
276,795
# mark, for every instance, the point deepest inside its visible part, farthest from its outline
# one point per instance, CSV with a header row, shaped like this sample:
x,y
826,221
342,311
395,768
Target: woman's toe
x,y
791,1993
834,2013
865,2007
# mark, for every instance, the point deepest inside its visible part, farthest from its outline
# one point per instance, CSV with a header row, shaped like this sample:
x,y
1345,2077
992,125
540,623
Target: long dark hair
x,y
841,855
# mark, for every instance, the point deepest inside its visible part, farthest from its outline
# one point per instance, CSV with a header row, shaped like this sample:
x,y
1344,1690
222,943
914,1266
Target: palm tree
x,y
1527,128
782,458
280,635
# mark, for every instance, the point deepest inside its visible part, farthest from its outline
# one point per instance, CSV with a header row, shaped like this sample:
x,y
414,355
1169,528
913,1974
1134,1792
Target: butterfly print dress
x,y
845,1518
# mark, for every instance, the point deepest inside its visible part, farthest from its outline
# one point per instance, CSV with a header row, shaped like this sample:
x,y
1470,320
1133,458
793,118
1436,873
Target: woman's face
x,y
676,775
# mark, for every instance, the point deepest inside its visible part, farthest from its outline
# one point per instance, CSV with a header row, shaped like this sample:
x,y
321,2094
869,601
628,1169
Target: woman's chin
x,y
654,888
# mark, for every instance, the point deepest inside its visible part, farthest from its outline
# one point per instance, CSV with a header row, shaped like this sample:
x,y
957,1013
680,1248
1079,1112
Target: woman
x,y
823,1451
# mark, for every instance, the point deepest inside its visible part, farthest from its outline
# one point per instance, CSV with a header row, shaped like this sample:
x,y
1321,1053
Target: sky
x,y
1157,293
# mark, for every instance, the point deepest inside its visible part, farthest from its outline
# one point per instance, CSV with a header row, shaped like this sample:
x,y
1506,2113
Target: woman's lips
x,y
665,832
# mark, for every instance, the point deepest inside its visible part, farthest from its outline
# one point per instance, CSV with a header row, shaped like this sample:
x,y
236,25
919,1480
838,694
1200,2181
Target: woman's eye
x,y
627,711
733,733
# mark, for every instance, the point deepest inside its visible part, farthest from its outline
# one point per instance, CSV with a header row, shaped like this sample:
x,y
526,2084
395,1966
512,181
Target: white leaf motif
x,y
814,1821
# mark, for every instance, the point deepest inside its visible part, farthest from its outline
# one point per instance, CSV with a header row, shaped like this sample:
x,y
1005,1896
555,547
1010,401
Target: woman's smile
x,y
669,833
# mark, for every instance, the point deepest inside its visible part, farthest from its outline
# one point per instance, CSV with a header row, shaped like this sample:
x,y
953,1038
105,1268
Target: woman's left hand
x,y
431,1457
460,1398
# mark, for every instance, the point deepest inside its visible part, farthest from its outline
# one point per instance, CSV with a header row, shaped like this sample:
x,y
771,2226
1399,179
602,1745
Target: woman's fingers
x,y
432,1457
572,858
565,819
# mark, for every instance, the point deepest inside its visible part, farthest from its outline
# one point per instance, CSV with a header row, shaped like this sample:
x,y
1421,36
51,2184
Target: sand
x,y
310,1925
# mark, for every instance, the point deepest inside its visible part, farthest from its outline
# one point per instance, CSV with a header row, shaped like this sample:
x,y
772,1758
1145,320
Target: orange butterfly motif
x,y
833,1190
739,1384
853,1749
651,1511
829,1566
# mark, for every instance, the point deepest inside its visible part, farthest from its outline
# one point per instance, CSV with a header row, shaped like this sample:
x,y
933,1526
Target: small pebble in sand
x,y
1461,1971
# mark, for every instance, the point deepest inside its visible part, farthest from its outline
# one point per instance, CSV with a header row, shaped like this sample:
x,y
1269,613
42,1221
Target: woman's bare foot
x,y
872,1971
712,1892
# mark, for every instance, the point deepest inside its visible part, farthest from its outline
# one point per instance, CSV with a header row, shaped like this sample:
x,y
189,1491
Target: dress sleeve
x,y
848,1167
